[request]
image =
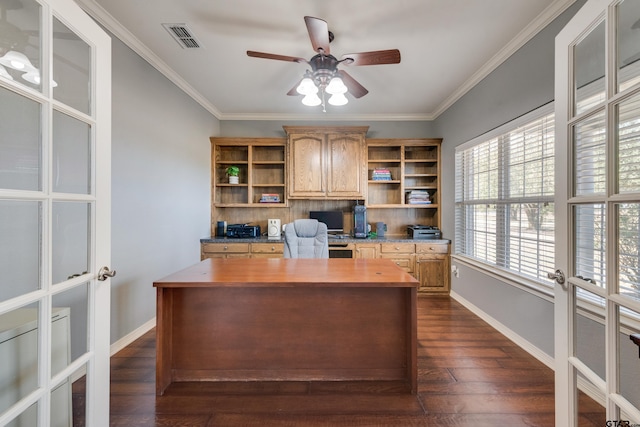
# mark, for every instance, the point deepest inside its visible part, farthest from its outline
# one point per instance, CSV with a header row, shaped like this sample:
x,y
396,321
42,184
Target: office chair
x,y
306,238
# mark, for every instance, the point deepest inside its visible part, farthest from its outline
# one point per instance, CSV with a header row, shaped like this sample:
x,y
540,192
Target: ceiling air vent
x,y
183,35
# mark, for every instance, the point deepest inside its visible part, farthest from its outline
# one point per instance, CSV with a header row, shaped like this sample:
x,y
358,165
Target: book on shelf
x,y
418,197
381,174
270,198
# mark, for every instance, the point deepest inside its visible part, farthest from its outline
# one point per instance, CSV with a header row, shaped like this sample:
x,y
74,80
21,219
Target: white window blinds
x,y
504,198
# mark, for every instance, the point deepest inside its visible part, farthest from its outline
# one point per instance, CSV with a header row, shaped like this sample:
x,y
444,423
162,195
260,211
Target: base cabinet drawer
x,y
404,261
224,250
427,248
267,250
397,248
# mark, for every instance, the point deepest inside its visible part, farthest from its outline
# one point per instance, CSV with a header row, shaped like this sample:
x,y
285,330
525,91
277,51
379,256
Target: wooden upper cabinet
x,y
307,165
327,163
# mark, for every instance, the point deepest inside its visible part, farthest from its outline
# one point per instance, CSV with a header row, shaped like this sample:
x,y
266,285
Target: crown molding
x,y
331,117
545,18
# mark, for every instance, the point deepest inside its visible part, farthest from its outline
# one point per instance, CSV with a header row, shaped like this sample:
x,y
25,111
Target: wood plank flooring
x,y
469,375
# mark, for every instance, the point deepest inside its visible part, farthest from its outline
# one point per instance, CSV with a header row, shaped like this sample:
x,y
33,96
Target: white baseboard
x,y
132,336
583,385
517,339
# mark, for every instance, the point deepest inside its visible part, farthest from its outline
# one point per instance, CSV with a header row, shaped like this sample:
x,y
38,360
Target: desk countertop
x,y
332,240
283,272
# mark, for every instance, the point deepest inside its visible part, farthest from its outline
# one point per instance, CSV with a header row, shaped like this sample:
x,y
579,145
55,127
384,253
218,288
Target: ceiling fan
x,y
324,76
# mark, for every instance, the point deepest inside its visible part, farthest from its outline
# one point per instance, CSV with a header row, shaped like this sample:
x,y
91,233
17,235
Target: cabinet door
x,y
367,250
306,166
433,273
346,164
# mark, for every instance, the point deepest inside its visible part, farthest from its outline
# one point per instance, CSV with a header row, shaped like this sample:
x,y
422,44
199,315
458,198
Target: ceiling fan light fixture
x,y
311,100
338,99
17,61
336,87
307,87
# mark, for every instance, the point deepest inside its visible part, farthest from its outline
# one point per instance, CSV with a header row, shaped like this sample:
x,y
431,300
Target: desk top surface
x,y
288,272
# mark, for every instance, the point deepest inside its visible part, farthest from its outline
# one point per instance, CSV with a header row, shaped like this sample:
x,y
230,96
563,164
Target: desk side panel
x,y
292,334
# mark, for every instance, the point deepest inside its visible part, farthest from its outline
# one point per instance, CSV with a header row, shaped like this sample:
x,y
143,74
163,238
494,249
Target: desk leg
x,y
164,315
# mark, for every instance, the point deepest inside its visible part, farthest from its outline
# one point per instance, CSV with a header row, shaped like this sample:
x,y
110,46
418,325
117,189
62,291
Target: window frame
x,y
514,277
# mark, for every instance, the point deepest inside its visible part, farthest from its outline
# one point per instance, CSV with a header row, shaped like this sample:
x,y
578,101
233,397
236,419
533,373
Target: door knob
x,y
104,273
558,276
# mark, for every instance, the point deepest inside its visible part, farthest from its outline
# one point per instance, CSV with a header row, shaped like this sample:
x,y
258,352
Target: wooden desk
x,y
271,319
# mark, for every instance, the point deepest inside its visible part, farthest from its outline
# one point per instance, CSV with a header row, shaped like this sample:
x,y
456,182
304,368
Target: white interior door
x,y
597,307
55,139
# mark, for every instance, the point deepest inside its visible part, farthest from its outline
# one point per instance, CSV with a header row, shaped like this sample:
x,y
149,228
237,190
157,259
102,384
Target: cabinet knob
x,y
273,248
431,249
226,247
397,248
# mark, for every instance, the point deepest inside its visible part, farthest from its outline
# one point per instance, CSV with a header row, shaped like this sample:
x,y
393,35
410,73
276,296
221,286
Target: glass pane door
x,y
598,134
54,215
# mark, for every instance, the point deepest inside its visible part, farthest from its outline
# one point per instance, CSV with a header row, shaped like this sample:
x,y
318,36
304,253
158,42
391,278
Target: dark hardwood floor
x,y
469,375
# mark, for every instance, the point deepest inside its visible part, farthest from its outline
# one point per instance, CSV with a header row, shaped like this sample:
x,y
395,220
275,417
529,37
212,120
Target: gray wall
x,y
160,179
521,84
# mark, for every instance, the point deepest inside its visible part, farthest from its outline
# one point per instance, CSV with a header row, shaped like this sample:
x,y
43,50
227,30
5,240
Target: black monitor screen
x,y
333,219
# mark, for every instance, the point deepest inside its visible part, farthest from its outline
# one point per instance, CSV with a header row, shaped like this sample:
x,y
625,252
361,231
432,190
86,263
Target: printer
x,y
423,232
243,230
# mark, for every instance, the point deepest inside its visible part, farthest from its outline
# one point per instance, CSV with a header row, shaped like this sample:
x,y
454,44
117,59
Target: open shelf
x,y
262,172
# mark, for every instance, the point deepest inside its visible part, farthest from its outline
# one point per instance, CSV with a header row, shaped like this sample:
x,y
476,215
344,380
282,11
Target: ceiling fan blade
x,y
274,56
318,33
378,57
294,90
355,89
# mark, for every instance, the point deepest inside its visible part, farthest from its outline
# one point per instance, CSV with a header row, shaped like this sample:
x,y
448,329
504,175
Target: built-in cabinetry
x,y
426,261
432,267
19,362
414,167
262,172
241,250
327,163
367,250
330,168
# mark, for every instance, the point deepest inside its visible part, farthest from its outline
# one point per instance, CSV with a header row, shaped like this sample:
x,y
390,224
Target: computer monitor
x,y
333,219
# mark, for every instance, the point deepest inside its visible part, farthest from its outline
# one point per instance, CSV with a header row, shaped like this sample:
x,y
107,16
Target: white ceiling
x,y
446,46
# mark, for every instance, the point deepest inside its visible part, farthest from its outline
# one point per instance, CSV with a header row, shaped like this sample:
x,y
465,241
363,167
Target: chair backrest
x,y
306,238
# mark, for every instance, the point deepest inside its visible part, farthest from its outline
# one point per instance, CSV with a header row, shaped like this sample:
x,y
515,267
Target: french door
x,y
597,290
55,139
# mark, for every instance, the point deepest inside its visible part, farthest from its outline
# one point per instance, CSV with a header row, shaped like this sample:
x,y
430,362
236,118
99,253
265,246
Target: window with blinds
x,y
504,197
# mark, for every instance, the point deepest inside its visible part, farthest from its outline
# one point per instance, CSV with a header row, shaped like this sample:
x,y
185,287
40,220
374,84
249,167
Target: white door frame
x,y
567,362
96,358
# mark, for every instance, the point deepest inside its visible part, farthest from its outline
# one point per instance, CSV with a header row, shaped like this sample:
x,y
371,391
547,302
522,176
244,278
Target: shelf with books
x,y
404,174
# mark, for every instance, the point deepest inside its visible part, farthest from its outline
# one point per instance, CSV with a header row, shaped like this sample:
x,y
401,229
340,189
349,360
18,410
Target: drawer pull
x,y
226,247
431,248
273,248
